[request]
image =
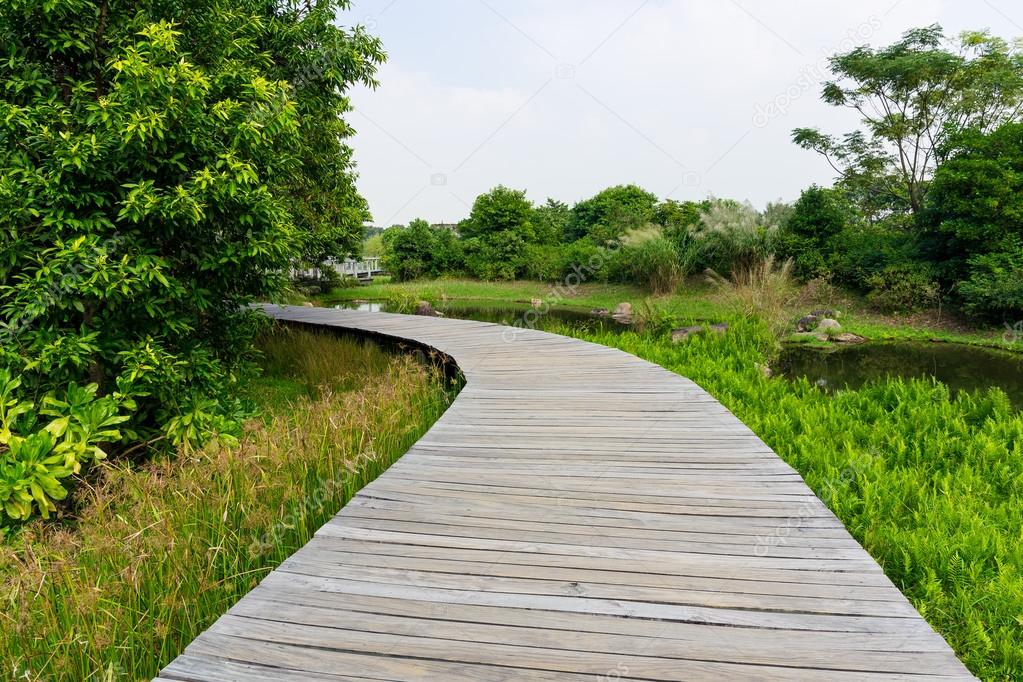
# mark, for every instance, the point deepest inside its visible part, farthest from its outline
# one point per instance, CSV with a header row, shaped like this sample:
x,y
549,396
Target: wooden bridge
x,y
576,514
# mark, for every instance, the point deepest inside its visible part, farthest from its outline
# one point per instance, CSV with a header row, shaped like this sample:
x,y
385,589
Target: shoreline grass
x,y
158,552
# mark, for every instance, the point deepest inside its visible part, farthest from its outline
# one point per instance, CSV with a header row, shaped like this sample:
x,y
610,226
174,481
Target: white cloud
x,y
478,93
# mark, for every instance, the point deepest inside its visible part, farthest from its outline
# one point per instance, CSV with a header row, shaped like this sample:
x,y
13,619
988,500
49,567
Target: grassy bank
x,y
696,301
157,553
930,484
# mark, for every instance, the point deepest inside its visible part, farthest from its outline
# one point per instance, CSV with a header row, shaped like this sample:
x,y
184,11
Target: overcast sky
x,y
687,98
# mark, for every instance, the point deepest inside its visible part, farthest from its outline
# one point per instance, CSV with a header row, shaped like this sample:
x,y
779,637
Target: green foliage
x,y
500,210
675,215
976,220
928,482
651,259
611,213
806,236
550,221
733,236
45,442
994,288
161,166
902,288
913,97
420,250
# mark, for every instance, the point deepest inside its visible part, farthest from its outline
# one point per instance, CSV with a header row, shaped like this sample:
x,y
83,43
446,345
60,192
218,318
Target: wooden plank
x,y
576,514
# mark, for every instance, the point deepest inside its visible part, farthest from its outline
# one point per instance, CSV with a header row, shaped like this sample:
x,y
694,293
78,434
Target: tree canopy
x,y
913,97
162,164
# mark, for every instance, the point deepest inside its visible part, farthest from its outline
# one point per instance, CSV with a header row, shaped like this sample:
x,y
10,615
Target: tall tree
x,y
156,161
912,97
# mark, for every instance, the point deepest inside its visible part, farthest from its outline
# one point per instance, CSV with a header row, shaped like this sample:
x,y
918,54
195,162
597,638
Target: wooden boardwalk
x,y
576,514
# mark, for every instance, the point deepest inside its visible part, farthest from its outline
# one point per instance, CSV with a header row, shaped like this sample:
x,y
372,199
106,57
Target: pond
x,y
505,313
960,367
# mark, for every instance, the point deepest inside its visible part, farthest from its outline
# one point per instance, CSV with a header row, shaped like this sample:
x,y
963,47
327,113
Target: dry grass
x,y
765,290
157,553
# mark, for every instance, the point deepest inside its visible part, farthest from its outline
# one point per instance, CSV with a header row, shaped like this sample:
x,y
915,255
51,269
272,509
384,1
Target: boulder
x,y
536,302
623,310
807,322
425,309
827,325
847,337
823,312
308,304
683,333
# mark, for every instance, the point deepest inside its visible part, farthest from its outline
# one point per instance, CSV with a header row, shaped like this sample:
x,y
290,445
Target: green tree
x,y
550,221
611,213
912,97
817,216
500,210
147,150
976,220
420,250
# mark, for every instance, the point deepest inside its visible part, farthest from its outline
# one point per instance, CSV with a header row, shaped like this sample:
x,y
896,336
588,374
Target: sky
x,y
562,98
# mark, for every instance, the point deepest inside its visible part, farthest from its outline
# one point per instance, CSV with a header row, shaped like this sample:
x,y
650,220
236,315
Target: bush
x,y
651,260
994,289
806,236
733,236
611,213
420,250
902,288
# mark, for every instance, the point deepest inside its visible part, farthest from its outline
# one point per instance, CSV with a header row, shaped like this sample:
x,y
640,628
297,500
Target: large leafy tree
x,y
976,221
611,212
162,162
912,97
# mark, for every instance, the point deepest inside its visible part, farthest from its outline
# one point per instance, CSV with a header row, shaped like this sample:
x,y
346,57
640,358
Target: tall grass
x,y
930,483
157,553
763,289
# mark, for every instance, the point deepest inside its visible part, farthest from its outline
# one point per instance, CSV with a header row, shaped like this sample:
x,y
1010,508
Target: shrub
x,y
651,260
733,236
899,288
611,213
994,289
420,250
806,236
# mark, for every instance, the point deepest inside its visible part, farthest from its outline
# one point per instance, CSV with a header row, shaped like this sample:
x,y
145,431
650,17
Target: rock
x,y
720,327
828,325
425,309
807,322
536,302
683,333
823,313
623,309
600,312
847,337
308,304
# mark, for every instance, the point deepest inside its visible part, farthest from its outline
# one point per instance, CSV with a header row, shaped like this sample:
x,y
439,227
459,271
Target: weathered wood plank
x,y
576,514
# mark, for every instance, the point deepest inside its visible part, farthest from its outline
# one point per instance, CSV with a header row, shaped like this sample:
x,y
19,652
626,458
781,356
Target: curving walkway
x,y
576,514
